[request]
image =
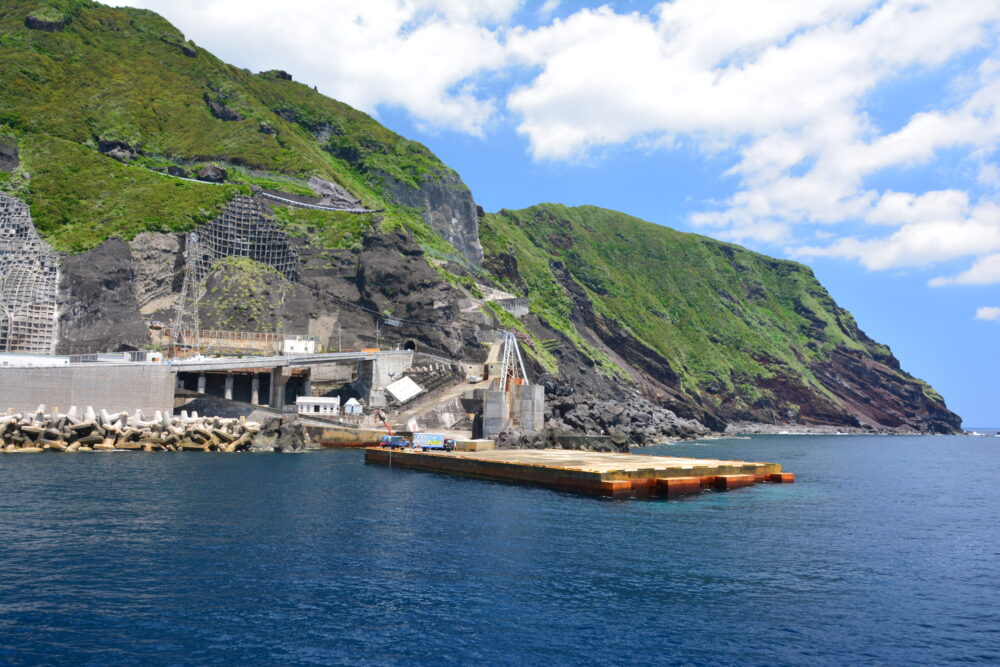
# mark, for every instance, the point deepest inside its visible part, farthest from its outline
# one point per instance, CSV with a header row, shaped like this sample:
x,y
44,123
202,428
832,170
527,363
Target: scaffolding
x,y
244,229
29,282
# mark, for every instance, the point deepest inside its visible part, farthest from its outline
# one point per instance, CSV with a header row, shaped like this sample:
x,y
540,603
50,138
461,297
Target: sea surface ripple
x,y
885,550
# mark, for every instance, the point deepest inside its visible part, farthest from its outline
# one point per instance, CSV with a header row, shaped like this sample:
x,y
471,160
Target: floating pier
x,y
591,473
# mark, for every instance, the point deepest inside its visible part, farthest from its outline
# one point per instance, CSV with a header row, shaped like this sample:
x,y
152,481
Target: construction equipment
x,y
190,299
509,371
381,416
392,441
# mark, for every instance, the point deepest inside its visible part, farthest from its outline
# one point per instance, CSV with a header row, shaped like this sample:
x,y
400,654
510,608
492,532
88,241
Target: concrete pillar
x,y
201,383
230,379
307,386
278,382
255,390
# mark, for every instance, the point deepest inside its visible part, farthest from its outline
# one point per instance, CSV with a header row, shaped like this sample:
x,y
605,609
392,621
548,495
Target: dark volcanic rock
x,y
119,150
174,170
394,278
880,398
220,110
276,436
332,194
9,159
628,417
187,48
37,22
213,174
98,310
447,206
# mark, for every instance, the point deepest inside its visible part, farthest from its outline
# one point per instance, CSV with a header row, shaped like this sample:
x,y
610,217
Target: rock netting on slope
x,y
29,277
244,228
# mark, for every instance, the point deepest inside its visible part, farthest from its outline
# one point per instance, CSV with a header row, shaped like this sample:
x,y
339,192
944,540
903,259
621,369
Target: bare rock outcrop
x,y
447,206
98,310
158,263
9,159
213,174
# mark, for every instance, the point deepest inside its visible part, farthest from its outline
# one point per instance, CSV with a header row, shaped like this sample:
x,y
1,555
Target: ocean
x,y
885,550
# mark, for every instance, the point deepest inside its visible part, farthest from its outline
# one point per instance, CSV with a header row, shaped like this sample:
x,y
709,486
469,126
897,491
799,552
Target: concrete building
x,y
353,407
318,405
298,345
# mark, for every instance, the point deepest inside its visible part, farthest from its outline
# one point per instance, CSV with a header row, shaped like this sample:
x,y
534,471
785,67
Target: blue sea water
x,y
885,550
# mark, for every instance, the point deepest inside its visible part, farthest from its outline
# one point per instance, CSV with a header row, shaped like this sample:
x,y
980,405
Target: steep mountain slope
x,y
740,335
107,117
126,82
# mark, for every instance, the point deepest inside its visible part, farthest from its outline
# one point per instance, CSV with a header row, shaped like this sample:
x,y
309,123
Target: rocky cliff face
x,y
708,330
447,206
98,310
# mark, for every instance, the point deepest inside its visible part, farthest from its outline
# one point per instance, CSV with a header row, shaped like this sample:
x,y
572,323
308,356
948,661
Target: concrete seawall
x,y
114,387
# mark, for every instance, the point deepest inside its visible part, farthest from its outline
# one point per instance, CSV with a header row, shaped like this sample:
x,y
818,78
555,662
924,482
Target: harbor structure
x,y
591,473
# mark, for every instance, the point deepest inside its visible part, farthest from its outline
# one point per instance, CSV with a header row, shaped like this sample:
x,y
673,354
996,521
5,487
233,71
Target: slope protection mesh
x,y
243,229
29,282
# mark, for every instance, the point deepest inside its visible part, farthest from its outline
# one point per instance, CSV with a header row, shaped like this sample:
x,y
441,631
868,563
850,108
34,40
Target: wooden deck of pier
x,y
592,473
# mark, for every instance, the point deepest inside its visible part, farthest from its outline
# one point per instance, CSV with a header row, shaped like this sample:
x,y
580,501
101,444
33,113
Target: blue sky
x,y
857,136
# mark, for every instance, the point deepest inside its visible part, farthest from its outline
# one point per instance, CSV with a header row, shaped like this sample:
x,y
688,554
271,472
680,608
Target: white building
x,y
318,405
27,359
298,345
352,407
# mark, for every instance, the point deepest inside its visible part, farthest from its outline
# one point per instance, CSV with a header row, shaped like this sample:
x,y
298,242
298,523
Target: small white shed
x,y
352,407
318,405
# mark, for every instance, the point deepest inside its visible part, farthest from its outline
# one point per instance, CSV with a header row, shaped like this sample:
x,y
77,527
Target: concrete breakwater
x,y
100,431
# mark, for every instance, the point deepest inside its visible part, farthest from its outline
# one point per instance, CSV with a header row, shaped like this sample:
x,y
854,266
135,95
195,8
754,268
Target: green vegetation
x,y
721,315
244,294
127,75
271,182
324,229
79,197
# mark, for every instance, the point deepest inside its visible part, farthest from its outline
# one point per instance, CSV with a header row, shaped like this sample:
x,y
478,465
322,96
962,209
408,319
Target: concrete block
x,y
481,445
782,477
728,482
672,487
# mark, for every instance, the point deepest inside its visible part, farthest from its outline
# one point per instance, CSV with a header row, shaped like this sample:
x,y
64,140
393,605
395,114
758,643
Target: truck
x,y
394,442
432,441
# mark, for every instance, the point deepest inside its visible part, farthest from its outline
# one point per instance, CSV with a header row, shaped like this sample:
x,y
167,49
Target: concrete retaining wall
x,y
114,387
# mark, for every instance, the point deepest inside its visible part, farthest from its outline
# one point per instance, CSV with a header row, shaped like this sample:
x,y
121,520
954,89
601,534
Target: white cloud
x,y
920,244
986,271
894,208
420,55
548,7
988,313
786,90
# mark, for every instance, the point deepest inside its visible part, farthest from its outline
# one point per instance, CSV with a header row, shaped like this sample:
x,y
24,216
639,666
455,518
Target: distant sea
x,y
885,550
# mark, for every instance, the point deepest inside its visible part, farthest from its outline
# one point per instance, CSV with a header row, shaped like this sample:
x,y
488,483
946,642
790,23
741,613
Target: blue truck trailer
x,y
433,441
